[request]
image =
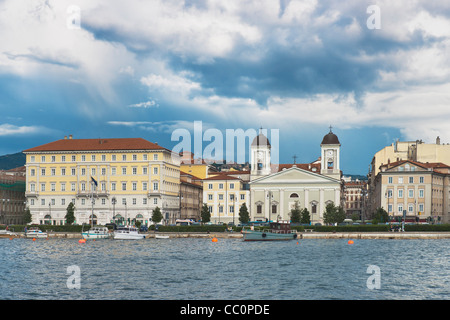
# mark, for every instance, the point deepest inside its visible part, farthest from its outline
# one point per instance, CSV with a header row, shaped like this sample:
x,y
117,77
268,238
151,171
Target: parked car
x,y
143,229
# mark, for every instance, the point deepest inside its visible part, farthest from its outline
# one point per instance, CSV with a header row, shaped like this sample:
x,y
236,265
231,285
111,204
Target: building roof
x,y
304,166
221,177
425,165
261,140
97,145
330,138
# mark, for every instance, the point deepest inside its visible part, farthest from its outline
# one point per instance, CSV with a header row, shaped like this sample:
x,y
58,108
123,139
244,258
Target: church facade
x,y
276,189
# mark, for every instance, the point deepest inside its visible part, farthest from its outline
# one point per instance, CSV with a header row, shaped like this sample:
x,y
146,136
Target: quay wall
x,y
237,235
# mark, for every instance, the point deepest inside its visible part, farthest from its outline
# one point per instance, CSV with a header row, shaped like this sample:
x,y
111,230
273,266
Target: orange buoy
x,y
297,242
82,241
34,239
350,242
214,239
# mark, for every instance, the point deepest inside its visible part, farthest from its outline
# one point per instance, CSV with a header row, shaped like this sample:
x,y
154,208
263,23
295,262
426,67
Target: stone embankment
x,y
237,235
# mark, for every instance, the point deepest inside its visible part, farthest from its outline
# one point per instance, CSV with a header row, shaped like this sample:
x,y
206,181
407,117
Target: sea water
x,y
194,269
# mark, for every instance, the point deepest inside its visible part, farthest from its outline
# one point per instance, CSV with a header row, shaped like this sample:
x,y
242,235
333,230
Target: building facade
x,y
224,194
107,179
12,196
355,193
420,191
191,192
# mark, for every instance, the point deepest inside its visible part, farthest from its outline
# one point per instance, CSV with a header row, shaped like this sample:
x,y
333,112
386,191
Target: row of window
x,y
83,171
94,158
410,180
232,197
84,201
102,186
400,193
230,209
221,185
411,206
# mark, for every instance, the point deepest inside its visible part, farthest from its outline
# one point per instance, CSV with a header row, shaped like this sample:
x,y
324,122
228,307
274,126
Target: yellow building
x,y
224,195
133,176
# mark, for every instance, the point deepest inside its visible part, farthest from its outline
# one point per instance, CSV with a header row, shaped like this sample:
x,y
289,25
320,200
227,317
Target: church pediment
x,y
294,175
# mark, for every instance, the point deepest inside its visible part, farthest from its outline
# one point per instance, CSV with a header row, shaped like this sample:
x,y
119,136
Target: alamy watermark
x,y
74,280
236,144
374,281
374,20
73,20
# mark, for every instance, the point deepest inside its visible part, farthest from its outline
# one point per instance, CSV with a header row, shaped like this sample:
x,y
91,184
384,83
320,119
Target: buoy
x,y
214,239
34,239
350,242
10,238
297,242
82,241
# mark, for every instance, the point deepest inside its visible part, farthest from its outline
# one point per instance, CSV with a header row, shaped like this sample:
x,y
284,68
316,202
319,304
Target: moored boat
x,y
35,233
127,233
279,230
96,233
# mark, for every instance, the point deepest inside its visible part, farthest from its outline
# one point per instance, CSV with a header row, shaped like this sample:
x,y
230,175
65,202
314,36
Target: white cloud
x,y
7,129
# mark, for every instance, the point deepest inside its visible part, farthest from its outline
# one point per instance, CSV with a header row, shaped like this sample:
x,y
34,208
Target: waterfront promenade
x,y
238,235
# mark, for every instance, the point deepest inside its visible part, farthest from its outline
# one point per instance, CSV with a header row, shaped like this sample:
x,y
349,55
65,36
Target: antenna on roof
x,y
295,158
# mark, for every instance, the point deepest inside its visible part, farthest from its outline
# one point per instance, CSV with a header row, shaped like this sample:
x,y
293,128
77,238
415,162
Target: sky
x,y
375,71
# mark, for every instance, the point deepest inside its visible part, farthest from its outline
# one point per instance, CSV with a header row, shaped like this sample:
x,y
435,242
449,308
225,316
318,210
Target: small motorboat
x,y
96,233
159,236
128,233
35,233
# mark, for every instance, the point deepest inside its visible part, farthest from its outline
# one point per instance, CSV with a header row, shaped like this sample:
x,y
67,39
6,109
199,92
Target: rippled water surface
x,y
228,269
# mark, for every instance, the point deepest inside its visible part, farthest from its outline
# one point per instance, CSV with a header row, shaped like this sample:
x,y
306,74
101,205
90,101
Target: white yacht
x,y
127,233
35,233
96,233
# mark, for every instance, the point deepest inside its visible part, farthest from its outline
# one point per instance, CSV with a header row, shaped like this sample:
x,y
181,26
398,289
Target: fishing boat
x,y
96,233
127,233
35,233
277,230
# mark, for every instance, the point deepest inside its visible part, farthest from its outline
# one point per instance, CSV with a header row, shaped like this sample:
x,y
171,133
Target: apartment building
x,y
418,190
109,179
355,203
224,194
12,196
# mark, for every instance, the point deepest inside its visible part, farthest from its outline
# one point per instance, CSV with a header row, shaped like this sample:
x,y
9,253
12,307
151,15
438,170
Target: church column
x,y
321,203
266,204
307,200
282,213
337,197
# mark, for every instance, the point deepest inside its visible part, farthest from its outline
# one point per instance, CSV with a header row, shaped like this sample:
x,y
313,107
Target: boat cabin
x,y
280,226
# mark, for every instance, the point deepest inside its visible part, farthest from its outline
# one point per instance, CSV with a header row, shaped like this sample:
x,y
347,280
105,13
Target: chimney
x,y
65,137
438,140
70,136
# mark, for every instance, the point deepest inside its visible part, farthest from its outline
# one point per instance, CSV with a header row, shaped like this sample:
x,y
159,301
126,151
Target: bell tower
x,y
330,155
260,157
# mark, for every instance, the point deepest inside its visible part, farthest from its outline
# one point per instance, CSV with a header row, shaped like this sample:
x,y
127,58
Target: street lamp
x,y
114,200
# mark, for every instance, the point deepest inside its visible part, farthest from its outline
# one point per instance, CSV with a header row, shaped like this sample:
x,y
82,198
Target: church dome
x,y
261,140
330,138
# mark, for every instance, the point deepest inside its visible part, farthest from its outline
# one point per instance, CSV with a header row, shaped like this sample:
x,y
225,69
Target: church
x,y
275,189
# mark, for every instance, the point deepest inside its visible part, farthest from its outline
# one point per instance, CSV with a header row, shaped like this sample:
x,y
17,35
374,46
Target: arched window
x,y
293,195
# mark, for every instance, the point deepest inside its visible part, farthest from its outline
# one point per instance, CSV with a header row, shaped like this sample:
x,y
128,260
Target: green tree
x,y
380,216
70,213
244,216
206,215
305,216
157,215
333,214
27,218
296,213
